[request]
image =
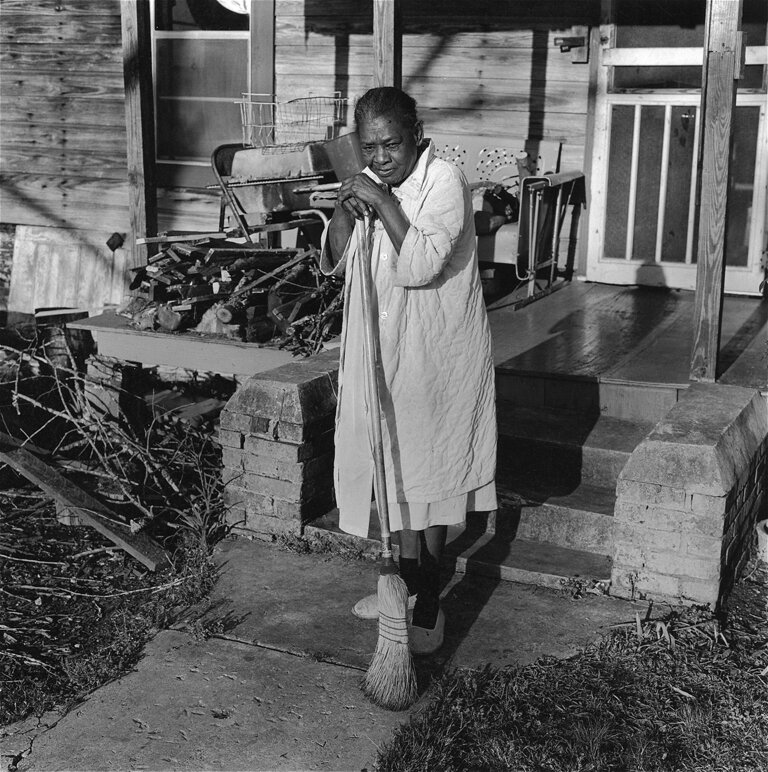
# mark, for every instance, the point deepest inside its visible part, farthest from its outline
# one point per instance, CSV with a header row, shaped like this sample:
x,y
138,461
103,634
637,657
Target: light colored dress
x,y
437,395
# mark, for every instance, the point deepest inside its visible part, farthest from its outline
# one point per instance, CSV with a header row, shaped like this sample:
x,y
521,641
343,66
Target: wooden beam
x,y
140,125
722,51
387,43
262,53
78,502
262,40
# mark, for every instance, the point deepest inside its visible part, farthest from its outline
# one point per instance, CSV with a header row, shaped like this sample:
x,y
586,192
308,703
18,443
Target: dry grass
x,y
685,692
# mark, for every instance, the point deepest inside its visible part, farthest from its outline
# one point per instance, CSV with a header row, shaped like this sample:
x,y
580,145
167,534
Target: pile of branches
x,y
152,470
244,291
76,610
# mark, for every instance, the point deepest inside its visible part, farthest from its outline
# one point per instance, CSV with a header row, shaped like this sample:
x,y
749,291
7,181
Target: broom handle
x,y
372,357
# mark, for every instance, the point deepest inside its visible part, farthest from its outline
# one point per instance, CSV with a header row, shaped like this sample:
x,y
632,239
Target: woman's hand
x,y
359,196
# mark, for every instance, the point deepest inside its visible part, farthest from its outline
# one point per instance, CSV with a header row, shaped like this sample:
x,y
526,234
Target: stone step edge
x,y
322,537
523,432
565,504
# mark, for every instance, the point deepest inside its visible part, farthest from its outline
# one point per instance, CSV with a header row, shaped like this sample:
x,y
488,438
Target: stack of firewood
x,y
244,291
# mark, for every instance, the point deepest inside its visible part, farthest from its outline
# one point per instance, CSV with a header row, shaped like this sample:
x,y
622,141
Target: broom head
x,y
391,678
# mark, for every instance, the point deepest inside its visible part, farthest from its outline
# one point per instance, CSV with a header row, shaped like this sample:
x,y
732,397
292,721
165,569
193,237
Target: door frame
x,y
739,279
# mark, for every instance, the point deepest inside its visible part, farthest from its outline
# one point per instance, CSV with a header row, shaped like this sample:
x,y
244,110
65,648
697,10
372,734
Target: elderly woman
x,y
437,390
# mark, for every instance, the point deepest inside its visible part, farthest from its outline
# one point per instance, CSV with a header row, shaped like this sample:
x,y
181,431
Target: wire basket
x,y
293,124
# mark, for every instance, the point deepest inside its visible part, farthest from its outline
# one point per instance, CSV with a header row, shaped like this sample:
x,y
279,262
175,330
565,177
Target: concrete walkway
x,y
277,686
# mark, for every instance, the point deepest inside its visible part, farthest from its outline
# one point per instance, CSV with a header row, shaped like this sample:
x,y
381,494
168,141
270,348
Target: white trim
x,y
692,199
228,100
200,34
632,202
663,179
179,162
671,57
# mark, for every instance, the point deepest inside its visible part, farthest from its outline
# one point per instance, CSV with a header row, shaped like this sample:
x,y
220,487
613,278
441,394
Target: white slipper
x,y
425,641
368,607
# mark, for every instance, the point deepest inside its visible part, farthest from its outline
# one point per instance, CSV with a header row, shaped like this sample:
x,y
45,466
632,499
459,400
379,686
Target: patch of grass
x,y
678,693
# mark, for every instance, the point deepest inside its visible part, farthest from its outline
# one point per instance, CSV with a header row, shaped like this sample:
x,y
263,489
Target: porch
x,y
586,376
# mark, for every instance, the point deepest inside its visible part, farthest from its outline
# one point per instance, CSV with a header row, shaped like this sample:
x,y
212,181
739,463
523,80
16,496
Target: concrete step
x,y
589,395
580,519
481,548
564,445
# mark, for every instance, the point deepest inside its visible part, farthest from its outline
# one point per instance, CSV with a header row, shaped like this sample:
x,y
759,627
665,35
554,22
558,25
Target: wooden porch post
x,y
387,44
140,125
262,42
722,52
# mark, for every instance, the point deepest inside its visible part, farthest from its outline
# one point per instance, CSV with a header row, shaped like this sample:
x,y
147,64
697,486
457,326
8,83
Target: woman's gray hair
x,y
387,100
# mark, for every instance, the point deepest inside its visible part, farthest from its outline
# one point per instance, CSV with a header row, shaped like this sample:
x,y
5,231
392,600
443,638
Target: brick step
x,y
580,519
477,550
588,395
564,446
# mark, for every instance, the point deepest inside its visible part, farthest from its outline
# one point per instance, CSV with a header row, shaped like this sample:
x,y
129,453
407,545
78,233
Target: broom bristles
x,y
391,678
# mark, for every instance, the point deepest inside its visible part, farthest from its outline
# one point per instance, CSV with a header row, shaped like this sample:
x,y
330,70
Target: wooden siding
x,y
480,68
489,67
63,160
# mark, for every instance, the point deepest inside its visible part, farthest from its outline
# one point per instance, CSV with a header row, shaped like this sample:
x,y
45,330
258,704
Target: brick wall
x,y
276,434
689,497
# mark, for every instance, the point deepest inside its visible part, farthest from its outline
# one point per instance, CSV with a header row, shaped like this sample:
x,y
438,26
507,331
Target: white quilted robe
x,y
438,398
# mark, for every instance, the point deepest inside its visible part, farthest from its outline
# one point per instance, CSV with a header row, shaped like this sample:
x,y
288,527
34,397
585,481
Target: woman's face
x,y
390,149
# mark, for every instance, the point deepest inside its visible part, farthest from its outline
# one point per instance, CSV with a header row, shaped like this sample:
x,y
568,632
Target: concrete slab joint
x,y
689,496
276,434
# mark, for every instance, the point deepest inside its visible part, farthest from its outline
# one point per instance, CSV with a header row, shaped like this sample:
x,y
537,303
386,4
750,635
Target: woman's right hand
x,y
350,203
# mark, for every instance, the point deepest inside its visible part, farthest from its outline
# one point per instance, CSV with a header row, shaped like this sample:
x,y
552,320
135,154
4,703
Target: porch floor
x,y
626,335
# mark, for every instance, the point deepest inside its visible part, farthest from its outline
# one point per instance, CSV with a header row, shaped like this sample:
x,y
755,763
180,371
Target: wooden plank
x,y
34,29
140,125
55,12
72,191
31,135
18,158
62,267
180,209
301,34
721,68
648,57
513,64
387,44
116,338
480,11
106,113
90,510
262,42
71,85
58,211
20,58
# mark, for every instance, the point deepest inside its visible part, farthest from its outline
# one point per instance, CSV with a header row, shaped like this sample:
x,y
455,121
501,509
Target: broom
x,y
391,678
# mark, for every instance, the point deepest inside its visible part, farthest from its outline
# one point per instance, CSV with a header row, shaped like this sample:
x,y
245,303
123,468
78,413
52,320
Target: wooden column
x,y
140,123
722,51
387,44
263,48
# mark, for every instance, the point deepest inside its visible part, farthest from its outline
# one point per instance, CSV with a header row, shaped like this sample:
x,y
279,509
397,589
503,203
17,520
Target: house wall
x,y
485,68
63,174
480,68
63,123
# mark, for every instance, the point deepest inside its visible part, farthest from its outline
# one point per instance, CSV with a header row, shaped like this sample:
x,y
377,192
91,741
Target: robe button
x,y
384,257
384,314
